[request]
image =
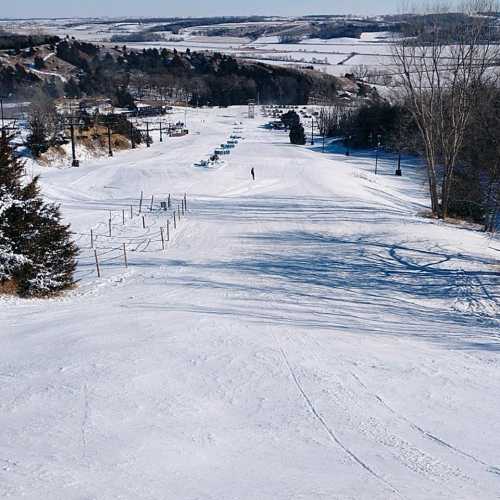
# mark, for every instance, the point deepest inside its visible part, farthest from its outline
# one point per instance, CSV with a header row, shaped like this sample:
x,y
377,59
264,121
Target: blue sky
x,y
167,8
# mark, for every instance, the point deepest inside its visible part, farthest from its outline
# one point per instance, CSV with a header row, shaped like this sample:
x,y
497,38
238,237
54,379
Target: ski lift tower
x,y
251,109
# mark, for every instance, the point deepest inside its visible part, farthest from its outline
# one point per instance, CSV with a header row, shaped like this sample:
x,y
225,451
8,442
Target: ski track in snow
x,y
420,430
306,335
328,429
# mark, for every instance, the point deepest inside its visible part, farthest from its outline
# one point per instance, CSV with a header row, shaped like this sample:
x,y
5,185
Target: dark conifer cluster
x,y
37,255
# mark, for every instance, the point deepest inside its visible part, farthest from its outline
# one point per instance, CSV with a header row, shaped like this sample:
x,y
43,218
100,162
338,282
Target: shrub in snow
x,y
36,252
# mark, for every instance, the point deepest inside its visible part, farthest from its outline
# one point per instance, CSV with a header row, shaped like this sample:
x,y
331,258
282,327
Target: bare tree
x,y
42,124
442,66
361,71
481,156
333,118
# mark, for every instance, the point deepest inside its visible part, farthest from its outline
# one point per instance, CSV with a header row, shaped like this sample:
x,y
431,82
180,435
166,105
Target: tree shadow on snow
x,y
363,284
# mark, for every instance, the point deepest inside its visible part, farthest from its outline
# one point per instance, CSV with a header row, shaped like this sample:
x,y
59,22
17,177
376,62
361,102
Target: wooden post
x,y
152,202
143,222
179,211
168,201
162,239
140,202
182,206
175,222
185,202
131,212
109,224
168,230
123,217
91,238
97,264
125,255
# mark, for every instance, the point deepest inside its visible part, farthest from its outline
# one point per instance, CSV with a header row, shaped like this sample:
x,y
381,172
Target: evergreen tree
x,y
123,98
39,63
72,89
37,256
42,124
290,119
297,134
37,140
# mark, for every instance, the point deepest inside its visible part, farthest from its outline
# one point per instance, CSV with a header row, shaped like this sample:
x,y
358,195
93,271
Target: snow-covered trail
x,y
305,336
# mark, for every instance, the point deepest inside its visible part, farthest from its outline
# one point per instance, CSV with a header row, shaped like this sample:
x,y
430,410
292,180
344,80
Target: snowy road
x,y
305,336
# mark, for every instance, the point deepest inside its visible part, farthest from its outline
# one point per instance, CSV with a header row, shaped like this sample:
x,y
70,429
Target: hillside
x,y
308,335
75,69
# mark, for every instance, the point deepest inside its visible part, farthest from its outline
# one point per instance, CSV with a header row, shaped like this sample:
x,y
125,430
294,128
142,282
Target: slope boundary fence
x,y
145,225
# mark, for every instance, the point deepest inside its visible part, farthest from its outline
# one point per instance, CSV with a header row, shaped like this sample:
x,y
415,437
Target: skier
x,y
253,173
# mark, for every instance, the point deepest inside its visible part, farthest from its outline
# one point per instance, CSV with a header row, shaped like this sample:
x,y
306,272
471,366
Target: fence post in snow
x,y
97,264
169,202
125,255
175,222
152,202
140,202
162,239
168,230
109,224
143,222
131,212
91,238
123,217
185,202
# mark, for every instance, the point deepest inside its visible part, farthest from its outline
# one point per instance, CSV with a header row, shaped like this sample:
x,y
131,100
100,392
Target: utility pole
x,y
185,113
312,131
132,141
72,121
376,154
110,152
75,162
348,146
398,170
161,133
147,135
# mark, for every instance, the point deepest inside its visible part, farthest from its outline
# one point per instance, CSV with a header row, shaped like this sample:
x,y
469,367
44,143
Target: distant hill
x,y
77,69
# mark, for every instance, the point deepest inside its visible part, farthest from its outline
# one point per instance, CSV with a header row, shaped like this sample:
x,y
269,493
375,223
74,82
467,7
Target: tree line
x,y
465,185
215,79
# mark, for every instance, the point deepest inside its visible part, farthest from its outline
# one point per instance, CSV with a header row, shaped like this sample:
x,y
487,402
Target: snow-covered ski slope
x,y
307,335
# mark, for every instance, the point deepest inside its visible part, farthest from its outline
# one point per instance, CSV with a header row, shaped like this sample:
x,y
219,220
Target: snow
x,y
372,49
49,73
309,335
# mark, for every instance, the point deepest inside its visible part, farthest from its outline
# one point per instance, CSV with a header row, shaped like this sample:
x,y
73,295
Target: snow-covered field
x,y
323,55
307,335
372,50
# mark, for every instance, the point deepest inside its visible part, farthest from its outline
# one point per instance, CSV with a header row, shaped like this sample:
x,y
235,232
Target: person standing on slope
x,y
252,172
